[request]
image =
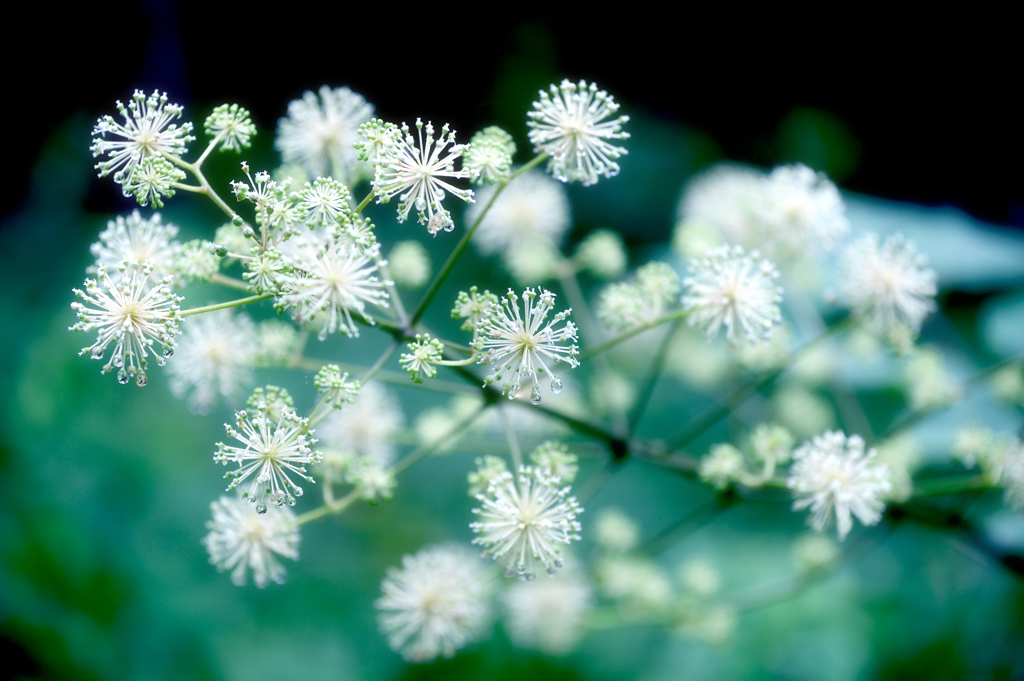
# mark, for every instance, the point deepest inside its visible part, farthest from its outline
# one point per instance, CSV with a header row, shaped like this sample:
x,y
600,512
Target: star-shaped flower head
x,y
147,132
833,473
413,168
567,125
327,285
241,539
319,132
273,451
736,290
525,520
132,316
138,239
518,343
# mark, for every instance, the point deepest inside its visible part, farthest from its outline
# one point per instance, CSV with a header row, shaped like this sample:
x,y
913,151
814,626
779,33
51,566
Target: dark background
x,y
917,109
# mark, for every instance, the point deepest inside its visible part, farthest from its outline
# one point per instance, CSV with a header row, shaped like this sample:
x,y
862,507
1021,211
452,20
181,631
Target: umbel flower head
x,y
241,539
533,207
412,169
518,343
329,284
736,290
568,126
319,132
130,315
438,602
147,132
489,157
833,473
888,284
524,520
274,449
231,126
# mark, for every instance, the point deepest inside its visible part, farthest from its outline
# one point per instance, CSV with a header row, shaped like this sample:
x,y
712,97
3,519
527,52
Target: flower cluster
x,y
414,170
489,158
525,519
146,133
231,127
569,125
736,290
518,343
423,353
131,315
274,450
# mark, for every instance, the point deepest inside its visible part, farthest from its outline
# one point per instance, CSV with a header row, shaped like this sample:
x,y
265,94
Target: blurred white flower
x,y
438,602
214,358
319,132
832,474
136,239
719,203
366,428
548,615
800,211
532,207
241,539
888,285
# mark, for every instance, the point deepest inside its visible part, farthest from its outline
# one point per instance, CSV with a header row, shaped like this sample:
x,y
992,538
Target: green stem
x,y
393,377
513,442
653,374
364,203
612,342
205,187
426,449
380,362
230,282
337,507
224,306
449,264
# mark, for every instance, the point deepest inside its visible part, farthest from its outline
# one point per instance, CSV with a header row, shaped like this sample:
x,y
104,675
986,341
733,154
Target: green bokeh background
x,y
105,489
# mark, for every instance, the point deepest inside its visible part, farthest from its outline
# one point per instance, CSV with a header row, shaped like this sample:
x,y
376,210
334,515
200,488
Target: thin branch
x,y
224,306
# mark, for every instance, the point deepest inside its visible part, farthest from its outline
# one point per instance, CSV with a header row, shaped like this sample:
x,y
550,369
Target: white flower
x,y
435,604
412,169
147,132
620,306
132,316
325,203
153,179
214,358
889,285
195,262
531,207
136,239
800,210
423,353
330,284
724,199
568,126
366,428
518,344
318,133
525,519
274,450
616,532
832,472
730,288
548,615
242,539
